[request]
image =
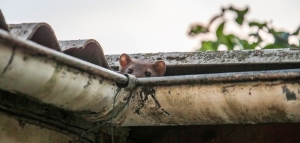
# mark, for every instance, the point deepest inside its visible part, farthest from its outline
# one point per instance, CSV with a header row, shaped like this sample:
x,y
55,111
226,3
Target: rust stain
x,y
87,84
290,95
224,89
143,98
277,113
21,124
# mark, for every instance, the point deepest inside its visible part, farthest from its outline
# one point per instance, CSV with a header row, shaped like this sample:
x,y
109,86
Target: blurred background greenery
x,y
254,39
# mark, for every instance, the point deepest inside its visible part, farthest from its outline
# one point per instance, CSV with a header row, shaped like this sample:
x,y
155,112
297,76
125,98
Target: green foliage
x,y
240,14
196,29
230,40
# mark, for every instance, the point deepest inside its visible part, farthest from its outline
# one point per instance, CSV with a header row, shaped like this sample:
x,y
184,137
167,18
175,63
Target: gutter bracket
x,y
120,105
130,86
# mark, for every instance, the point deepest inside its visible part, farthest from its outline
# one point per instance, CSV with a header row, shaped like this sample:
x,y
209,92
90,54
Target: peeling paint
x,y
50,82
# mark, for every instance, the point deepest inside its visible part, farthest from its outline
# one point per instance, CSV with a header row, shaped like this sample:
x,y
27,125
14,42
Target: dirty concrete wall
x,y
13,130
16,130
28,121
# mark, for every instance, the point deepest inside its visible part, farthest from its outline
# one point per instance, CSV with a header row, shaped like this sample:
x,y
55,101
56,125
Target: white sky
x,y
140,26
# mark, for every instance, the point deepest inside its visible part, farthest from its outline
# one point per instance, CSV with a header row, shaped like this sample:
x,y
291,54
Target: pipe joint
x,y
130,86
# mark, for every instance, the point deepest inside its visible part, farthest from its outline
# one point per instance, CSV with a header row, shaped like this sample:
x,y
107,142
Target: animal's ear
x,y
160,67
124,60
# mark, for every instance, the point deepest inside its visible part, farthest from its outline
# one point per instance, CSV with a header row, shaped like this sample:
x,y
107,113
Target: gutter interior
x,y
226,68
173,70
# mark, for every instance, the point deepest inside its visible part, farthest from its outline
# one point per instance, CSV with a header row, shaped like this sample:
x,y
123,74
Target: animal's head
x,y
141,68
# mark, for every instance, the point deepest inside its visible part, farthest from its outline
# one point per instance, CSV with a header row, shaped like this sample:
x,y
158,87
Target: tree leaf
x,y
252,46
219,31
224,39
279,36
230,41
297,31
213,19
242,44
256,35
208,46
223,10
259,25
240,14
239,20
277,46
269,46
282,37
197,29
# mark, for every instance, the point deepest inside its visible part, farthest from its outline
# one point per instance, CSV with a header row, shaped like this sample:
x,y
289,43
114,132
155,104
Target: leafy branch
x,y
231,40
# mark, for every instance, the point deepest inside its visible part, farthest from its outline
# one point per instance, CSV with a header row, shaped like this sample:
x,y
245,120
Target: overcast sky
x,y
140,26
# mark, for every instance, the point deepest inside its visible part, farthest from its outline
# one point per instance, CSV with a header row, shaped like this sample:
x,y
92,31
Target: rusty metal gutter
x,y
231,98
51,77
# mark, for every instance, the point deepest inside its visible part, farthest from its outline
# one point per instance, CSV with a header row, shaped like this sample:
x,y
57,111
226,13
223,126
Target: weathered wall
x,y
13,130
27,112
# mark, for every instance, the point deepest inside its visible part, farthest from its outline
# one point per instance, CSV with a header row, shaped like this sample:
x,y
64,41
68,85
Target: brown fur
x,y
141,68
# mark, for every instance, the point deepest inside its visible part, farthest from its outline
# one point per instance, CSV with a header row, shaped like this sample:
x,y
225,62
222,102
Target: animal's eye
x,y
147,73
129,71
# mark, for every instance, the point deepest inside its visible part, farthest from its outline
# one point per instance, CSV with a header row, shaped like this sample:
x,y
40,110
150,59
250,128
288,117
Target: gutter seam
x,y
132,81
130,87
